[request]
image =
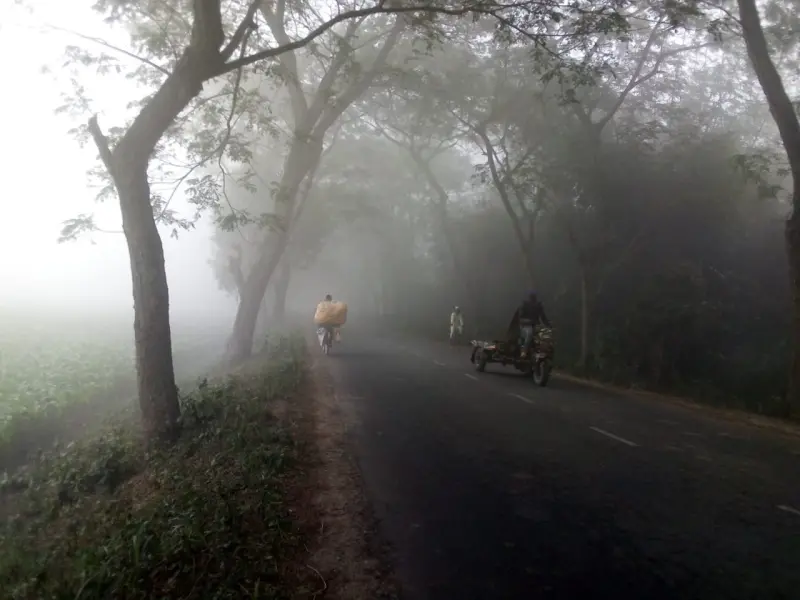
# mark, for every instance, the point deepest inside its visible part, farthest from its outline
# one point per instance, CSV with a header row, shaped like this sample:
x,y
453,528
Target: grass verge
x,y
206,517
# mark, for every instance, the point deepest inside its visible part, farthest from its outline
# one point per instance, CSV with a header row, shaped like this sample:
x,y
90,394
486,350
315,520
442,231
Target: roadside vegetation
x,y
113,516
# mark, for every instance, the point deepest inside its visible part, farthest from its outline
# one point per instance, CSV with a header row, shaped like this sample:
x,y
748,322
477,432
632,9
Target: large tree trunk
x,y
281,289
127,164
299,163
158,394
240,346
785,117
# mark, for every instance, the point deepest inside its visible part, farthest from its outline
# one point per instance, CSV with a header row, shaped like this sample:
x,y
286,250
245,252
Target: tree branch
x,y
236,87
772,85
321,97
634,80
247,25
288,60
423,165
101,141
637,78
318,31
357,88
105,44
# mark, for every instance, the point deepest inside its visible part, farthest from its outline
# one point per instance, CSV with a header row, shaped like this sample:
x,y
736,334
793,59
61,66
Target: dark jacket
x,y
529,312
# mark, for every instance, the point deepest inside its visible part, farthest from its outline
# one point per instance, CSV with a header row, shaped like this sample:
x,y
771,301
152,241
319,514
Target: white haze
x,y
45,183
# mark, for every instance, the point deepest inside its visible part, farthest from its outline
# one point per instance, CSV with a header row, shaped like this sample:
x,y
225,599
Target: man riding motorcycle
x,y
456,323
332,330
528,315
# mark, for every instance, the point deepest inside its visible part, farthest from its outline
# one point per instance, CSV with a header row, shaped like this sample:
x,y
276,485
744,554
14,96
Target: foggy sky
x,y
45,183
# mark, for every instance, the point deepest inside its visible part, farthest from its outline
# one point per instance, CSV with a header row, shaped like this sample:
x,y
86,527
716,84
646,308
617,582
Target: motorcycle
x,y
539,365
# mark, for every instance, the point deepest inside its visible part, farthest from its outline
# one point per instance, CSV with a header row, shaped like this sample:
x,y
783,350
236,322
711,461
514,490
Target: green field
x,y
55,364
48,364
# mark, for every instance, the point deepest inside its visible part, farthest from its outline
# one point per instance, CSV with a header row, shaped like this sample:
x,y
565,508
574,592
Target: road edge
x,y
344,554
739,416
786,427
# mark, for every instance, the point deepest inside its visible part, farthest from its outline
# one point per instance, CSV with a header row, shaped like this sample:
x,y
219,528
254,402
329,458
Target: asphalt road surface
x,y
486,486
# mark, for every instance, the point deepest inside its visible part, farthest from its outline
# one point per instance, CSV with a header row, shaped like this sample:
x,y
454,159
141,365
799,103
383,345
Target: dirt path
x,y
343,560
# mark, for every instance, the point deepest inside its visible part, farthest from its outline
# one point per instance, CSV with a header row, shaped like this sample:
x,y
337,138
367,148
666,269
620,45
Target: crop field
x,y
49,363
53,364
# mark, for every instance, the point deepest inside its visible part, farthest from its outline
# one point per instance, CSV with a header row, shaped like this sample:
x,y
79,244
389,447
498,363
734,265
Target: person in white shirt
x,y
456,323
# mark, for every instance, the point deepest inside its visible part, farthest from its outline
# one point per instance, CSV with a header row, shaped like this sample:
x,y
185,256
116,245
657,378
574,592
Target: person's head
x,y
328,298
456,309
532,297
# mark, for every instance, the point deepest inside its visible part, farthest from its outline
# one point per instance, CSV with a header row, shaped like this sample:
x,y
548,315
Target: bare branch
x,y
236,87
288,60
635,78
176,187
318,31
105,44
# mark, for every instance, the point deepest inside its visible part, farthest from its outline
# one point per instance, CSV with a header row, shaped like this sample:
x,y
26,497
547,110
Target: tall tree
x,y
203,53
783,111
342,82
408,120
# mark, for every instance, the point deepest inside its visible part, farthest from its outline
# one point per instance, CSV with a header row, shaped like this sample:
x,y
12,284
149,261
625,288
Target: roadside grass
x,y
206,517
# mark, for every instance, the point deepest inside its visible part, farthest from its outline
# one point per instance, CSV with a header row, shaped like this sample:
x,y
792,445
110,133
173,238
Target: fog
x,y
624,175
45,183
641,193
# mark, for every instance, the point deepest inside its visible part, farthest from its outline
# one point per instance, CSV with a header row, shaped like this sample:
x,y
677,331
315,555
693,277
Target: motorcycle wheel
x,y
541,372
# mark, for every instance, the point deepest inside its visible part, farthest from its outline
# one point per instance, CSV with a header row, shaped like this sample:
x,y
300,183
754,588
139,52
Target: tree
x,y
205,53
783,111
408,121
342,82
313,117
637,188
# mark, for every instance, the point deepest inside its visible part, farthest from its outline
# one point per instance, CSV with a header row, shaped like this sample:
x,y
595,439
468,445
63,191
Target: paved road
x,y
488,487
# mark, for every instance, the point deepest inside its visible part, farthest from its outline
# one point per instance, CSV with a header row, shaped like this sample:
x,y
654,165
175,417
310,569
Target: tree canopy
x,y
633,162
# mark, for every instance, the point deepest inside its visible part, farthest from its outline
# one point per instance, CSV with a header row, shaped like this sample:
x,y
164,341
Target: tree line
x,y
619,157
